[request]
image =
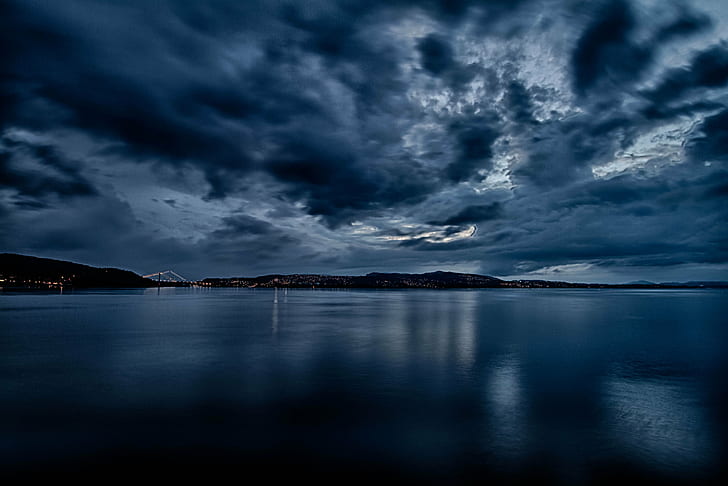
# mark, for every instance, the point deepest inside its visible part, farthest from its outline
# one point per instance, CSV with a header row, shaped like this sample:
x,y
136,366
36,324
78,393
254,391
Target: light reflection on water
x,y
504,406
556,384
660,422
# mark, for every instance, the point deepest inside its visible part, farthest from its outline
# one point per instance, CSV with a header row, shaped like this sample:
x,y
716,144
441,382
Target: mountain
x,y
693,284
437,279
371,280
19,271
431,280
31,272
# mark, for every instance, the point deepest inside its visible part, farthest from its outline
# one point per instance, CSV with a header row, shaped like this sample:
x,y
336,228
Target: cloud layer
x,y
578,140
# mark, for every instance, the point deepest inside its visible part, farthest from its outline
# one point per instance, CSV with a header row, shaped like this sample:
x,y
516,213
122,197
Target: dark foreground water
x,y
568,386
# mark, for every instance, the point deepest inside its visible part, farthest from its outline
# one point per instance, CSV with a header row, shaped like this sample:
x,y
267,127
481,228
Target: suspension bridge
x,y
167,276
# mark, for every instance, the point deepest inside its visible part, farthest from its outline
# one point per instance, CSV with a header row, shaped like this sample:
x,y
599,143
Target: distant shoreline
x,y
60,290
21,272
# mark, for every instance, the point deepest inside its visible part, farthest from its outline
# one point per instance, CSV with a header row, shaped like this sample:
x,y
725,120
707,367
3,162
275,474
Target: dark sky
x,y
572,140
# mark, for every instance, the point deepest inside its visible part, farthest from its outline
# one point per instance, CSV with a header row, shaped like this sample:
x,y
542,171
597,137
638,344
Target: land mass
x,y
28,272
431,280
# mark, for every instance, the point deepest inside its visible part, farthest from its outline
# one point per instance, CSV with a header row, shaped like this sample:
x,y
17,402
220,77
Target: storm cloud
x,y
219,138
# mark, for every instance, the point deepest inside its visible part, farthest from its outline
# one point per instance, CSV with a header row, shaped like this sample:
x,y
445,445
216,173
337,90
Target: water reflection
x,y
659,422
565,385
504,404
274,314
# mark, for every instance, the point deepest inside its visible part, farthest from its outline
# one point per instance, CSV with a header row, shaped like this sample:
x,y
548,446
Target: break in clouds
x,y
545,139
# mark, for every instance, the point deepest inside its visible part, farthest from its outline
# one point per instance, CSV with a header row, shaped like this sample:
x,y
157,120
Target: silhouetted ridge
x,y
33,272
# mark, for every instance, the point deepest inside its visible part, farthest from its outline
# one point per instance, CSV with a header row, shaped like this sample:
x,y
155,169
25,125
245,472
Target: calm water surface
x,y
568,386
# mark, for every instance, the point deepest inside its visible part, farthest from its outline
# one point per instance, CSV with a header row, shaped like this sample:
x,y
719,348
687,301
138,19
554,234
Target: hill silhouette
x,y
33,272
21,271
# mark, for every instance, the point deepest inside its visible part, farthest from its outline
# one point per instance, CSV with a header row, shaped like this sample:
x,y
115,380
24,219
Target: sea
x,y
541,386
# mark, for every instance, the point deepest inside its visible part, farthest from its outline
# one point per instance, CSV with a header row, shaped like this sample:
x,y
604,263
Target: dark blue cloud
x,y
606,51
686,22
564,130
436,54
473,214
519,103
474,136
711,140
36,171
708,69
